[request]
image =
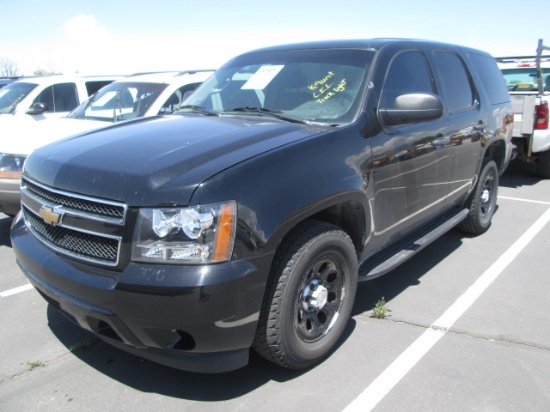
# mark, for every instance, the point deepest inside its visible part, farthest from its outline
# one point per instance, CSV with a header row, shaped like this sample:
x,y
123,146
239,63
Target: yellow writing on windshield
x,y
325,88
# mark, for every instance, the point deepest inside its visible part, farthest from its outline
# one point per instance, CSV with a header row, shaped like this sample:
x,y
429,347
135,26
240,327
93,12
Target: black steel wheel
x,y
309,298
482,202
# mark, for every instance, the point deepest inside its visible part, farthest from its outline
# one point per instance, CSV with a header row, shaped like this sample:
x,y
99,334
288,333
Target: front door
x,y
412,161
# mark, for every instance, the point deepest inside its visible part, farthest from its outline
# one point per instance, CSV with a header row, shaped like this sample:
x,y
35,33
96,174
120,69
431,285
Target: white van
x,y
39,98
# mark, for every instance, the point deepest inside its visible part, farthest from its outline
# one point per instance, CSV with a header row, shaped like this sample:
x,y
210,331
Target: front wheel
x,y
309,297
482,201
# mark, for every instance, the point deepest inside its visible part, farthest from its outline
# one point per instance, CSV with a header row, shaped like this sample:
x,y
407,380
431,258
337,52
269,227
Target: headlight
x,y
201,234
11,166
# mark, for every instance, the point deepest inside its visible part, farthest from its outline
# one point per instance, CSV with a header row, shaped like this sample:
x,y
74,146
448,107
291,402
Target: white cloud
x,y
85,31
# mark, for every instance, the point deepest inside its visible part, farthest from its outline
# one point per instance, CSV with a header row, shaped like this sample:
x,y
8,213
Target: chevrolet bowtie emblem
x,y
49,215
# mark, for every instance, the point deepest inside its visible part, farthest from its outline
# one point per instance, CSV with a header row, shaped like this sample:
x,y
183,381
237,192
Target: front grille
x,y
79,244
76,203
86,228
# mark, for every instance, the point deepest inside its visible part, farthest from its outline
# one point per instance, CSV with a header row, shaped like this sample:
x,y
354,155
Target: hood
x,y
157,161
23,137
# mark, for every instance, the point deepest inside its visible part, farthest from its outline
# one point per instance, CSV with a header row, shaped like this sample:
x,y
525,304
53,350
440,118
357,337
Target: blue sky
x,y
115,37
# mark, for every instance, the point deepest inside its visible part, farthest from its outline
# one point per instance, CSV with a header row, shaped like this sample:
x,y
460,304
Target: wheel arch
x,y
497,152
348,214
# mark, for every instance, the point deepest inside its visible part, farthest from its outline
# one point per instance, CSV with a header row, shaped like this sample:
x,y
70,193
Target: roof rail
x,y
514,59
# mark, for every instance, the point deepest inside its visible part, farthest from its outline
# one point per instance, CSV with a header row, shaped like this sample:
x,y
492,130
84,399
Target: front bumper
x,y
195,318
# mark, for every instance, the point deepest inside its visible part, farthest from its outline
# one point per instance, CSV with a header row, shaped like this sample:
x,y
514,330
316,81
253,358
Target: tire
x,y
309,297
482,201
543,165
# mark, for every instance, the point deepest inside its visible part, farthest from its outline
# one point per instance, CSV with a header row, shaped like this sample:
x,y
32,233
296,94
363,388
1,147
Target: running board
x,y
370,270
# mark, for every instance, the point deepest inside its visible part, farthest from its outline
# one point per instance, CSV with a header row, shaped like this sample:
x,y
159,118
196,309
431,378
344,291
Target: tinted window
x,y
65,97
94,86
46,97
408,73
493,82
59,97
455,82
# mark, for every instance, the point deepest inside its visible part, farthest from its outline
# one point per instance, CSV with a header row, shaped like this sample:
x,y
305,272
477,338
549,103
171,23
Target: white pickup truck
x,y
528,79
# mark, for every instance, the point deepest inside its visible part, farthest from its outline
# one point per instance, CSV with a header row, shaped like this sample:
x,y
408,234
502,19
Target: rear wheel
x,y
482,201
309,298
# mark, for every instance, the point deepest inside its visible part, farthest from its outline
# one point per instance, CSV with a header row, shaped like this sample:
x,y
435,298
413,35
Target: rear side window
x,y
408,73
491,78
455,82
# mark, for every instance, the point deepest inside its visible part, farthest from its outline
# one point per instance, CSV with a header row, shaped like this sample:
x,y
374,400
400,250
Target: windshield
x,y
12,94
119,101
308,85
526,79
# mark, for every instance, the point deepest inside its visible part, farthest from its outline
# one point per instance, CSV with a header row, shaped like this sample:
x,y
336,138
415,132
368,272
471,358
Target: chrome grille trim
x,y
82,245
88,229
97,209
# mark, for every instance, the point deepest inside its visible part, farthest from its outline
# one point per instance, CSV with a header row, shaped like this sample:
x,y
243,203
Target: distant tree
x,y
8,68
42,72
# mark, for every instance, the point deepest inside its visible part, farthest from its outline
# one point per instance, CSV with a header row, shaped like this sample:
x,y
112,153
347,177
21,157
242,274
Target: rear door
x,y
463,115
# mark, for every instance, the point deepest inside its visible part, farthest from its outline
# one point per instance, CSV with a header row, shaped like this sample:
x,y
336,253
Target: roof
x,y
46,80
361,44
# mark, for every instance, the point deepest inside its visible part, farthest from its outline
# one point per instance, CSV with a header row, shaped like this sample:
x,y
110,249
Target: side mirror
x,y
412,108
37,108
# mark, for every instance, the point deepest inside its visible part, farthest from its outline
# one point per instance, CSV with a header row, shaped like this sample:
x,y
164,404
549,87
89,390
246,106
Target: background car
x,y
4,81
40,98
134,96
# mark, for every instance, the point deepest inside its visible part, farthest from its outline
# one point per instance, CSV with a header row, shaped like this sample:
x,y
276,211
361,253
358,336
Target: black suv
x,y
247,218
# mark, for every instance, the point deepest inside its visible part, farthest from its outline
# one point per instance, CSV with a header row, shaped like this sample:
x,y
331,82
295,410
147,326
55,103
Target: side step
x,y
372,269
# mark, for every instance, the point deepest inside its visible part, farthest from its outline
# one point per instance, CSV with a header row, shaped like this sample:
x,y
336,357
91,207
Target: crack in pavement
x,y
462,332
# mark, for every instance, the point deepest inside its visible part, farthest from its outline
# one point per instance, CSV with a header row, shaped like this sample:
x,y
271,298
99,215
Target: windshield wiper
x,y
115,119
274,113
199,109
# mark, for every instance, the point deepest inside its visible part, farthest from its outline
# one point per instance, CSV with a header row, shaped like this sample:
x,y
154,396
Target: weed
x,y
35,364
380,310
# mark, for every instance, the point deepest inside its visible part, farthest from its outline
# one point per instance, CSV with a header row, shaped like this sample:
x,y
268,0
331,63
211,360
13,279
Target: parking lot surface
x,y
467,330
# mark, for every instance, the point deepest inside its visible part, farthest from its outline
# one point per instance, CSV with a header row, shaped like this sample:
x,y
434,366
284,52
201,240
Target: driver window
x,y
59,97
408,73
46,97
